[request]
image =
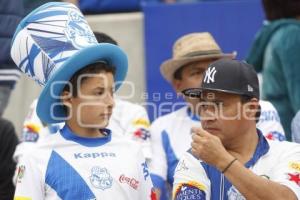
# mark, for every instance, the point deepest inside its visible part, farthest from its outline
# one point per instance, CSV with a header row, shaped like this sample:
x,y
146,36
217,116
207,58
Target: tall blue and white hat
x,y
51,44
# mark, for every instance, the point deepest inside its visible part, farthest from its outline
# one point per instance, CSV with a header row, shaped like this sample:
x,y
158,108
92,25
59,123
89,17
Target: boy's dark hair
x,y
94,68
104,38
278,9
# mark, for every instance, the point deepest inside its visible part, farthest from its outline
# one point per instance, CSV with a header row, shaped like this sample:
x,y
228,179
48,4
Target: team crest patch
x,y
100,178
78,31
234,194
142,134
191,190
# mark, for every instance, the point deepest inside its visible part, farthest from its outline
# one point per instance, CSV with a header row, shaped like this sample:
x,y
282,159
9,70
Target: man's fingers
x,y
200,131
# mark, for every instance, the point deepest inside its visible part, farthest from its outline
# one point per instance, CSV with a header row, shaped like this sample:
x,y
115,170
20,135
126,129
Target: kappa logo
x,y
210,75
94,155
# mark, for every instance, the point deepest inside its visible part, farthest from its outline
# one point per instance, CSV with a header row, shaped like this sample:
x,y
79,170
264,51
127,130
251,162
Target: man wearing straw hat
x,y
55,46
171,133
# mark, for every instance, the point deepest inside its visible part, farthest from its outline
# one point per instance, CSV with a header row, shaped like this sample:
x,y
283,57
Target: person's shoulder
x,y
284,147
125,144
172,116
289,33
266,105
128,106
4,124
7,130
38,153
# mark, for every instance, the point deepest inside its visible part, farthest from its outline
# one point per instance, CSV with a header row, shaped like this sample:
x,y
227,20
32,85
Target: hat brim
x,y
49,107
169,67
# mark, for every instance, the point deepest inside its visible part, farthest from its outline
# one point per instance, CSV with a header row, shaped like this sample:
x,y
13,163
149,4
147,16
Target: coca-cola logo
x,y
132,182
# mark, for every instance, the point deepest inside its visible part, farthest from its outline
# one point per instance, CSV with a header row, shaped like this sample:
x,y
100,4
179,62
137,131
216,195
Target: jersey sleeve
x,y
32,125
146,186
190,179
30,184
138,129
269,122
158,162
287,171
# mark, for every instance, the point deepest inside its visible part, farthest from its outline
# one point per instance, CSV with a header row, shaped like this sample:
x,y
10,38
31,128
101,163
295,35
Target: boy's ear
x,y
66,98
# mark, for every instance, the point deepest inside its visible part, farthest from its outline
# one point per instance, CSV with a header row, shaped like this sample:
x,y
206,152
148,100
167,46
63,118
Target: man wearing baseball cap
x,y
171,134
230,158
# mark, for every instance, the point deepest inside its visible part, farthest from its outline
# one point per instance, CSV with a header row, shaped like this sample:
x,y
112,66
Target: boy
x,y
55,46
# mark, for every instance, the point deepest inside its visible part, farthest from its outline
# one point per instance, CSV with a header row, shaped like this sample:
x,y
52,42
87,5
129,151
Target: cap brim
x,y
196,92
49,107
192,92
169,67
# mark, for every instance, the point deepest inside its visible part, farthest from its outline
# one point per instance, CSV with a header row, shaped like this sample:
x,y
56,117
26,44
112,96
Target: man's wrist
x,y
223,163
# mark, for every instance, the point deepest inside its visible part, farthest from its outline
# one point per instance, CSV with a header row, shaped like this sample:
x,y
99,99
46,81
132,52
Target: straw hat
x,y
190,48
51,44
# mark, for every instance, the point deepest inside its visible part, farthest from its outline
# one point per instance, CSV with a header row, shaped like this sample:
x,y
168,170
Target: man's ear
x,y
177,85
251,109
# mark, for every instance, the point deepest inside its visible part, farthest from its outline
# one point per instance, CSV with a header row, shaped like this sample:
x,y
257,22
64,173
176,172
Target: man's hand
x,y
209,148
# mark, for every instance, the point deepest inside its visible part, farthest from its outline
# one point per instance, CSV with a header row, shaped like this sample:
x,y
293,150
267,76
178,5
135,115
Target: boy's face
x,y
93,105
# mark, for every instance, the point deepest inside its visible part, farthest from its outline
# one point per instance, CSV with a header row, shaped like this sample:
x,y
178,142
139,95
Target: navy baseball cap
x,y
230,76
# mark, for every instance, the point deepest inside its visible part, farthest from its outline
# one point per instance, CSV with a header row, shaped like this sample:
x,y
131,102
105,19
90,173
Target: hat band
x,y
202,53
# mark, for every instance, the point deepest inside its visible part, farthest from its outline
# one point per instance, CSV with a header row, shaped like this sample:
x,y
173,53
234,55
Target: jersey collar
x,y
67,133
261,149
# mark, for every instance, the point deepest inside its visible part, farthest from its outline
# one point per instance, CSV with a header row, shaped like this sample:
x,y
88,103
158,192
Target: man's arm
x,y
190,179
210,149
254,187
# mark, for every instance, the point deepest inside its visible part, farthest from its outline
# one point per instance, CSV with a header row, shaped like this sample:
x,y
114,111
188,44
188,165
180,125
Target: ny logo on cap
x,y
210,75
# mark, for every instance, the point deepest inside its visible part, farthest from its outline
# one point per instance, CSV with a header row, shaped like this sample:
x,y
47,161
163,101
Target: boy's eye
x,y
100,93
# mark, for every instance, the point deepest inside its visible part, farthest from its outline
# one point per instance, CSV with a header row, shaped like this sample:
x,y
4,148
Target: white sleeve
x,y
145,183
269,122
30,183
287,171
32,127
190,179
138,129
158,162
